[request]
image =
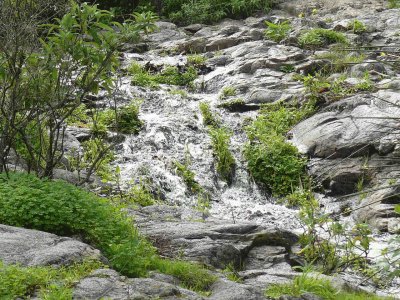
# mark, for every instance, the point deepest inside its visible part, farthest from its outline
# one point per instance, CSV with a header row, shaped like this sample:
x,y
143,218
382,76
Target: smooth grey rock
x,y
350,126
36,248
228,290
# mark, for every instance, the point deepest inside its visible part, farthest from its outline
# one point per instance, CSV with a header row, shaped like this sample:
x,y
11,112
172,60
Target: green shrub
x,y
277,31
50,282
220,140
64,209
319,37
271,160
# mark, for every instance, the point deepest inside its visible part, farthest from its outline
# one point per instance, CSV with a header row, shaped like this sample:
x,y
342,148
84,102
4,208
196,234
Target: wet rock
x,y
348,127
37,248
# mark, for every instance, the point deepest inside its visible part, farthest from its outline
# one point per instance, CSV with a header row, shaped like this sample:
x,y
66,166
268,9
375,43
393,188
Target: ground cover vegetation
x,y
63,209
189,12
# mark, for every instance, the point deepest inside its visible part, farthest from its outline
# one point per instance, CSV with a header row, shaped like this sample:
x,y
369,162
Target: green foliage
x,y
207,11
277,31
319,37
208,118
192,276
74,56
340,60
287,68
139,194
319,86
141,77
271,160
127,120
228,91
394,3
63,209
196,60
220,140
357,26
188,177
318,286
51,283
169,75
232,274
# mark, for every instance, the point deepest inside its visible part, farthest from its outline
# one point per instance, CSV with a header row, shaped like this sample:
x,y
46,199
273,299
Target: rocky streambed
x,y
348,141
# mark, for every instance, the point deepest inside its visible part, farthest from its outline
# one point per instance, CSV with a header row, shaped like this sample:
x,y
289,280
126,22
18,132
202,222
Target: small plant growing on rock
x,y
319,37
357,26
228,91
220,140
208,118
277,31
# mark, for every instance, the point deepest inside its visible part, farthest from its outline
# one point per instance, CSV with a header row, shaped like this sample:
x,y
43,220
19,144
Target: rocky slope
x,y
244,225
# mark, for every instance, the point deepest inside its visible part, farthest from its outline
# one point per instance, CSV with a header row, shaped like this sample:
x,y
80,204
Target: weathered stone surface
x,y
34,248
105,283
352,126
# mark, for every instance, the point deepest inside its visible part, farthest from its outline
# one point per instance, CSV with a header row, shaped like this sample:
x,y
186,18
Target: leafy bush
x,y
63,209
271,160
319,37
277,31
51,283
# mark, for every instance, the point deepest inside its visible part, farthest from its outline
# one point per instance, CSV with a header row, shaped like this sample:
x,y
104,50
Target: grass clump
x,y
50,283
220,138
188,177
272,161
319,37
340,60
63,209
196,60
318,286
169,75
208,118
277,31
228,91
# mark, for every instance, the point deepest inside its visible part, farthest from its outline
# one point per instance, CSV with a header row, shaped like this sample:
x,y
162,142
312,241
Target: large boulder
x,y
36,248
